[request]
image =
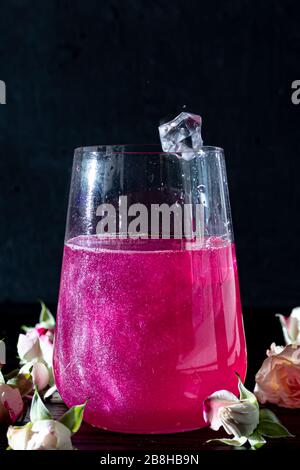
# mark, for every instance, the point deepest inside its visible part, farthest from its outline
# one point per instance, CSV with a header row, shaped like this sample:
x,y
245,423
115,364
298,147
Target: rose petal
x,y
50,391
40,375
291,326
213,403
28,346
290,352
278,379
40,330
18,437
274,350
296,313
46,346
240,419
50,434
12,401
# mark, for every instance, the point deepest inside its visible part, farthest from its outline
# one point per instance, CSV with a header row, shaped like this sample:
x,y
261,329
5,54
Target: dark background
x,y
89,72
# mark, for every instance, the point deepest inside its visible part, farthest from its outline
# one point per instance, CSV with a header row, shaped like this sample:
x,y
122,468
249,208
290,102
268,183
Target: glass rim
x,y
140,149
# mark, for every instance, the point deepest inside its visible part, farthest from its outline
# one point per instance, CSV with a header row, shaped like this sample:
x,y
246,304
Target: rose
x,y
46,345
40,375
291,326
278,379
238,417
37,353
241,418
34,346
39,357
43,432
29,346
11,404
35,349
41,435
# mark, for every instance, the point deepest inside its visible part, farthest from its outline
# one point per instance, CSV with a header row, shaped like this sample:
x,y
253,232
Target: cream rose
x,y
42,435
238,417
278,380
43,432
29,346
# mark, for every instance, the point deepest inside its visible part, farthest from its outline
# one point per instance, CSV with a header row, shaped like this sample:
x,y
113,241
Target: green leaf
x,y
267,415
269,429
235,441
47,320
26,328
72,419
256,441
245,394
270,426
38,410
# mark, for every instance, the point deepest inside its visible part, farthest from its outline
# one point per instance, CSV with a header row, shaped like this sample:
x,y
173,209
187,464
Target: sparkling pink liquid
x,y
146,330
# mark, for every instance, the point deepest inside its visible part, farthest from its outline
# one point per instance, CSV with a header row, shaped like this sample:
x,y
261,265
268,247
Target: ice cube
x,y
182,134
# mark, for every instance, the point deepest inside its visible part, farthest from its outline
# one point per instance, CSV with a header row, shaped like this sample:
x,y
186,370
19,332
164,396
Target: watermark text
x,y
2,92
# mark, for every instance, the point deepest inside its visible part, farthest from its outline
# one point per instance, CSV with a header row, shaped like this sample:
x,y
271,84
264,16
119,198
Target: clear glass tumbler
x,y
149,318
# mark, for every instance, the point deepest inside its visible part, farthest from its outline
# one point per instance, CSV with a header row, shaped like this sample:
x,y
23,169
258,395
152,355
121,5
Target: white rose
x,y
45,434
291,326
238,417
29,346
18,437
34,347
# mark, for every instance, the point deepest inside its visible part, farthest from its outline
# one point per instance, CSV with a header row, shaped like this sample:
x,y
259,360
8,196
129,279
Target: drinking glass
x,y
149,318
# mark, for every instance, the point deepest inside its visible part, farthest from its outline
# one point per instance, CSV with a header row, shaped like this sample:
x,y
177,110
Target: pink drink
x,y
147,333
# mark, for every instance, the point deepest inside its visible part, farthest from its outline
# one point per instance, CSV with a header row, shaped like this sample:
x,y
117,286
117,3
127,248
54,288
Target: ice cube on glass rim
x,y
182,134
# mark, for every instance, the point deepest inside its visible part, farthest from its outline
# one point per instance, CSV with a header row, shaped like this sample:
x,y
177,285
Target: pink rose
x,y
46,345
36,345
11,404
42,330
278,380
35,350
40,375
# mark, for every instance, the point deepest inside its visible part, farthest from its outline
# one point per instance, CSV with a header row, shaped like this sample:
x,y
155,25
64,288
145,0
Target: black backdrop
x,y
82,72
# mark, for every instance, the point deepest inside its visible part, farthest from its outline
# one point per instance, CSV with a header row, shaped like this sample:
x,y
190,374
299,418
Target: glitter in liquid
x,y
146,330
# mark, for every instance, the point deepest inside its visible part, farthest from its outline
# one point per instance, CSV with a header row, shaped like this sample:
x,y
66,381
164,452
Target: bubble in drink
x,y
182,134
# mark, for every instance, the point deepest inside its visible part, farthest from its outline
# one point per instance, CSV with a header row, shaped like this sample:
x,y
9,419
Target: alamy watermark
x,y
156,221
2,92
296,94
2,353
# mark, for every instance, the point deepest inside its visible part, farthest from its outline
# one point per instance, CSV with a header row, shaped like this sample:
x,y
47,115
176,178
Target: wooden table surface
x,y
261,329
90,438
